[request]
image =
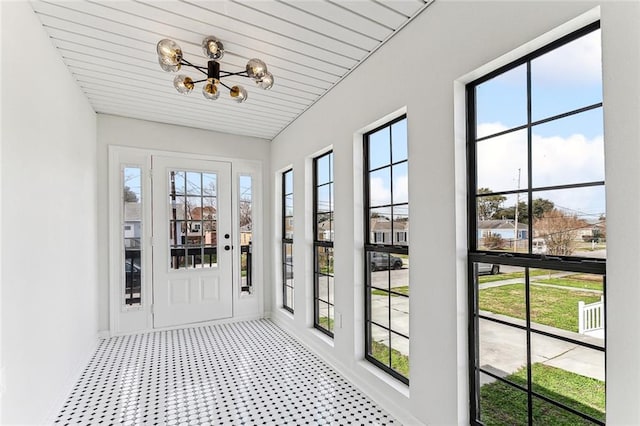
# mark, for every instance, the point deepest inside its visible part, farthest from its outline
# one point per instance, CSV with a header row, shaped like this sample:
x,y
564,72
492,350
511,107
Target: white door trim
x,y
126,320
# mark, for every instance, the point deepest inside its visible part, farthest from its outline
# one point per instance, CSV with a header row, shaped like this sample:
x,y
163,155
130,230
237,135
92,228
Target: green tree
x,y
129,195
541,206
510,213
489,205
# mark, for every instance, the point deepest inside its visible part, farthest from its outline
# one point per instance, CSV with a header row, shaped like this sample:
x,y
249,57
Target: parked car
x,y
384,261
488,268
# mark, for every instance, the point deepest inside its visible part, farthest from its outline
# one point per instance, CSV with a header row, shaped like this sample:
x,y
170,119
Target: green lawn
x,y
591,282
554,307
399,362
501,404
326,323
512,275
402,290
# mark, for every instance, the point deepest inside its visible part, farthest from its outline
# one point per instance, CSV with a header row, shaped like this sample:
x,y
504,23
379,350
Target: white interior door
x,y
192,256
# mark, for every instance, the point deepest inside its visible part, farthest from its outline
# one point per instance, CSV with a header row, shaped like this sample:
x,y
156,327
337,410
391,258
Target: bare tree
x,y
245,213
559,231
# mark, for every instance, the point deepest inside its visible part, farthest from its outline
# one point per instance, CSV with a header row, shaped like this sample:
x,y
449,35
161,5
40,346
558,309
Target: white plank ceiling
x,y
308,45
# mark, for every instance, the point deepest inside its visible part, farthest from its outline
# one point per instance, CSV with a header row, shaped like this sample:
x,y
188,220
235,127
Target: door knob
x,y
227,248
226,236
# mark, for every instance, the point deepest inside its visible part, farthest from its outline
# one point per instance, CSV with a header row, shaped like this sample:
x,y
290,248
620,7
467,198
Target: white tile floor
x,y
249,373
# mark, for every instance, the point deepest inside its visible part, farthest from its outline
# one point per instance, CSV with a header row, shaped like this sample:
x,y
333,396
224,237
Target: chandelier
x,y
171,60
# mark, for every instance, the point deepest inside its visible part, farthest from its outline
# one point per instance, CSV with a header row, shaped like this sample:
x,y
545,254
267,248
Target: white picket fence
x,y
591,318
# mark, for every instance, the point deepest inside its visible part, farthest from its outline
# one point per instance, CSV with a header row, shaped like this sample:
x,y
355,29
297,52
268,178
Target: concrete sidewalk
x,y
503,350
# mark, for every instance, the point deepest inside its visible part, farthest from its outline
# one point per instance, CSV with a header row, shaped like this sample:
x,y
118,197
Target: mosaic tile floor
x,y
249,373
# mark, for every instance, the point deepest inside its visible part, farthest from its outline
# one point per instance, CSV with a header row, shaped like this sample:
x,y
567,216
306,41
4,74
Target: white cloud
x,y
575,63
401,189
556,161
380,192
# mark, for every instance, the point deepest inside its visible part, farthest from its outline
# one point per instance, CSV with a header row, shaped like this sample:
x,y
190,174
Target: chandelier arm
x,y
222,84
199,81
229,74
203,70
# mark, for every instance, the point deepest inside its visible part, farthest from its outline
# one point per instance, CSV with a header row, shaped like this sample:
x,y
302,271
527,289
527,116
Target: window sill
x,y
321,336
390,381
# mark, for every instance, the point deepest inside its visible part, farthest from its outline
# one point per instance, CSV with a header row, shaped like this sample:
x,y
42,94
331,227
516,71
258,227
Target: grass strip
x,y
399,362
501,404
550,306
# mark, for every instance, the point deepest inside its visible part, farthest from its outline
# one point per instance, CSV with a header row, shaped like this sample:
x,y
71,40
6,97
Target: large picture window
x,y
287,240
387,248
537,238
323,289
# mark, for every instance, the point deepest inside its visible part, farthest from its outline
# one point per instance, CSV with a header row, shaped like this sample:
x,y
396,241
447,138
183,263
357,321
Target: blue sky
x,y
564,151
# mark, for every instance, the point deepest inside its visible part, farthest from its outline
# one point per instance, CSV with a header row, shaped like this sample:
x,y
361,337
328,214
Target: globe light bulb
x,y
183,84
238,94
212,48
256,69
169,52
210,91
168,67
266,82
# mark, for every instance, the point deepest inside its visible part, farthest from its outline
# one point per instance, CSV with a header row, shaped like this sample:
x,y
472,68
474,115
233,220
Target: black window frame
x,y
287,241
379,247
528,260
322,244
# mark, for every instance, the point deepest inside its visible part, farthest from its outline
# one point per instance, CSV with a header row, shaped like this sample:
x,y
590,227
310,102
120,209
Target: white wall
x,y
416,70
128,132
49,306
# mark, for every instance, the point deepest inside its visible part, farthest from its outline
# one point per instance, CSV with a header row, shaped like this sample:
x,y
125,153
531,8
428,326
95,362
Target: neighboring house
x,y
245,234
203,223
325,230
591,231
288,227
132,221
381,229
505,228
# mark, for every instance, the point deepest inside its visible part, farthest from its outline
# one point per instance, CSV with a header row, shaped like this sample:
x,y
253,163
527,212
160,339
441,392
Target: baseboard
x,y
70,382
240,318
377,395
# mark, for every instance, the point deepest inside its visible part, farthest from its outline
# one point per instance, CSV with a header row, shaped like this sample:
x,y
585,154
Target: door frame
x,y
133,319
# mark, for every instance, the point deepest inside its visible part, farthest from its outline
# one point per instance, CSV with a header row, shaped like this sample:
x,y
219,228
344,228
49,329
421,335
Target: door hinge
x,y
153,309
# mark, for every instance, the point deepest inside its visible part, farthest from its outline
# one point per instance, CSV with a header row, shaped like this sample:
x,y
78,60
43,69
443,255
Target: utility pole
x,y
515,240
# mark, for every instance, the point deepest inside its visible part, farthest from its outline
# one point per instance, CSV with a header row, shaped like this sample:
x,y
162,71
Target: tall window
x,y
287,240
537,238
387,248
323,290
132,234
245,213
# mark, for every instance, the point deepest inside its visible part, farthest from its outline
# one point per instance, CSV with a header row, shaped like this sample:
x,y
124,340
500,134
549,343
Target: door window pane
x,y
193,243
132,234
245,220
